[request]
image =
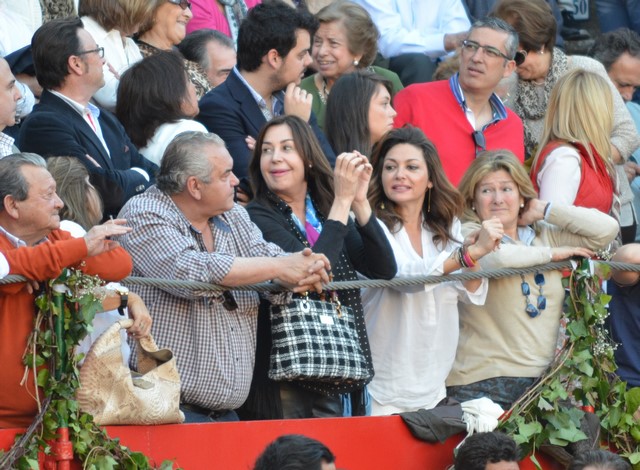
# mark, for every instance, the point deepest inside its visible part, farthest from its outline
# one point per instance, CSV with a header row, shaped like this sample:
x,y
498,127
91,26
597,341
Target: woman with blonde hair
x,y
509,341
110,23
573,165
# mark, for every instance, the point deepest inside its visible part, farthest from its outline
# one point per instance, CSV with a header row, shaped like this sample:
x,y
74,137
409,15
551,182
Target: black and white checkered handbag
x,y
316,340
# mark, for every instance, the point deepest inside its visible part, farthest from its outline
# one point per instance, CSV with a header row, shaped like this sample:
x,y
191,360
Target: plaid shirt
x,y
6,145
214,347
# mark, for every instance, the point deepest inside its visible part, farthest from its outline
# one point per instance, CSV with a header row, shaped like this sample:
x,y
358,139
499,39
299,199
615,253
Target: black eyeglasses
x,y
471,47
531,309
520,57
480,141
184,4
99,51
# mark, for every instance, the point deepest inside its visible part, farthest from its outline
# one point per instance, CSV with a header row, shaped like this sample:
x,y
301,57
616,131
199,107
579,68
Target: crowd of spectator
x,y
240,141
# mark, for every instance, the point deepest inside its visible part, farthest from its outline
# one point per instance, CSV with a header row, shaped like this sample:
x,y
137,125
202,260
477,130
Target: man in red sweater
x,y
463,116
34,246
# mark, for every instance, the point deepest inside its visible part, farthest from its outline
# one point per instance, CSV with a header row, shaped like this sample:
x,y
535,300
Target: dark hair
x,y
346,120
51,46
319,176
486,447
74,188
122,15
12,181
446,202
599,460
194,46
270,25
150,94
532,19
294,452
610,46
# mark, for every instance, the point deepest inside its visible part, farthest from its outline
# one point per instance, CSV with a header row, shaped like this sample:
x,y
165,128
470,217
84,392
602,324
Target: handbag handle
x,y
149,355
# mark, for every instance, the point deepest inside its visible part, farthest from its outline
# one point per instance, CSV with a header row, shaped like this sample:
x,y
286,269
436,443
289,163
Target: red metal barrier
x,y
381,443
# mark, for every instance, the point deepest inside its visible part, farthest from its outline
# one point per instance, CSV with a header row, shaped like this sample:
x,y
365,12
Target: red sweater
x,y
17,309
596,188
433,108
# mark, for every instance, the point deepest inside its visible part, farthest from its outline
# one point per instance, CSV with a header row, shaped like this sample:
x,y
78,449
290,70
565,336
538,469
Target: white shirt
x,y
164,135
413,330
559,177
121,55
4,266
415,26
19,19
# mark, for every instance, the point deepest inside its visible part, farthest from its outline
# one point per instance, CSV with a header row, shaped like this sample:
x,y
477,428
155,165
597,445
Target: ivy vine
x,y
582,377
64,318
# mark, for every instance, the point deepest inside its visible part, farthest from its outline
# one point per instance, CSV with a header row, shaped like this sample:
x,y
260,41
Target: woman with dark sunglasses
x,y
164,29
540,65
509,341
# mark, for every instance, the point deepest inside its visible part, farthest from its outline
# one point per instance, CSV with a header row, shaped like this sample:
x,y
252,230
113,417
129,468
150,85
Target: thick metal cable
x,y
398,281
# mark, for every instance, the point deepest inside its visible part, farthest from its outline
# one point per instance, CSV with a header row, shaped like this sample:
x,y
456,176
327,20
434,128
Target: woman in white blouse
x,y
413,330
110,23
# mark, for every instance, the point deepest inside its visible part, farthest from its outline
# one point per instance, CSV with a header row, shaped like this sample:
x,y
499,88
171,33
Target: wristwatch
x,y
123,292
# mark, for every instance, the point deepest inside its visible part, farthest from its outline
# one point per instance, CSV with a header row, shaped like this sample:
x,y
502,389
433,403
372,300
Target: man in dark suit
x,y
69,66
273,53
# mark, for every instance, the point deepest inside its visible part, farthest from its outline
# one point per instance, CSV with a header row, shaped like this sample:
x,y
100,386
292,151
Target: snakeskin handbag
x,y
114,394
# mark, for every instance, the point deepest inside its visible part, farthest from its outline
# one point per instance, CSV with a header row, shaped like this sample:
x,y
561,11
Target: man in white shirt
x,y
9,96
414,34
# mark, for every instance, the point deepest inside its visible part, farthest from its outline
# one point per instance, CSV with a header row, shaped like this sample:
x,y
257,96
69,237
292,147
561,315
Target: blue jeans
x,y
195,414
614,14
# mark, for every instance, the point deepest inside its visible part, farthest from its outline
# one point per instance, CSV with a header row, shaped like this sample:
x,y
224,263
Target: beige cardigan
x,y
499,339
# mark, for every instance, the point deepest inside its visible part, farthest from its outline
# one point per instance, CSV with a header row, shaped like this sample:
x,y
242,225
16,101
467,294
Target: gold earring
x,y
429,201
382,205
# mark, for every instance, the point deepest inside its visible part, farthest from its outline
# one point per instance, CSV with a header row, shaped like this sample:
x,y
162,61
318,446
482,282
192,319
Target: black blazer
x,y
230,111
56,129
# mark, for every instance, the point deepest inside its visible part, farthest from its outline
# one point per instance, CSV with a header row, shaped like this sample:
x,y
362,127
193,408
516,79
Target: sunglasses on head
x,y
184,4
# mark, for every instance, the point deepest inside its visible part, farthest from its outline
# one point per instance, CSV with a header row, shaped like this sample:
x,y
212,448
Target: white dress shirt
x,y
413,330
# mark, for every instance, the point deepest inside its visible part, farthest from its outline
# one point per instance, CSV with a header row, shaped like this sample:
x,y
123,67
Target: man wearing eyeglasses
x,y
69,66
463,116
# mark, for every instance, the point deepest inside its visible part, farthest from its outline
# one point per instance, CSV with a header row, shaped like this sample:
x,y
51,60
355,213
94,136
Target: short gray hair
x,y
496,24
12,181
184,158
